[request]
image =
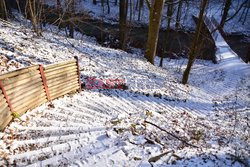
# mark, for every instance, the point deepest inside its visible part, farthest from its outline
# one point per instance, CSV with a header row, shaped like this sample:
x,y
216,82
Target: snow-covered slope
x,y
119,127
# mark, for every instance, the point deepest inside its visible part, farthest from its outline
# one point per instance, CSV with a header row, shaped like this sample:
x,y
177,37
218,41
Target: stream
x,y
107,35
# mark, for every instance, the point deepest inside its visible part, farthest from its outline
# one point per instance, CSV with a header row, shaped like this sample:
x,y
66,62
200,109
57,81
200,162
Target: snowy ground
x,y
192,8
205,123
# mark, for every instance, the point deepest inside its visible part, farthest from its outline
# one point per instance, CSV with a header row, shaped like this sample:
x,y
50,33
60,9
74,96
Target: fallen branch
x,y
171,134
153,141
156,158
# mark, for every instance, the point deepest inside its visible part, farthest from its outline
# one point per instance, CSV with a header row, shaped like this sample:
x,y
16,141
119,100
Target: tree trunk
x,y
123,23
130,10
108,6
34,13
154,26
225,13
3,10
178,15
169,15
10,4
140,7
21,5
58,4
193,50
72,13
102,4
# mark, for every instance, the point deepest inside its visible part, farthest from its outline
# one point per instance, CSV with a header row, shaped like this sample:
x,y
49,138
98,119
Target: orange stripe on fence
x,y
44,82
78,73
6,96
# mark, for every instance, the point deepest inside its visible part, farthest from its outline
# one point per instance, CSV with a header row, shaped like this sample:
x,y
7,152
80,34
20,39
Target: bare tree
x,y
154,26
178,15
35,12
169,17
71,10
238,10
130,10
193,50
123,23
3,10
225,13
107,1
102,5
58,4
140,8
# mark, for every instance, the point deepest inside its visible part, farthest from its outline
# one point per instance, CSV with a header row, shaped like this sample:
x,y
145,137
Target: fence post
x,y
45,85
6,96
78,73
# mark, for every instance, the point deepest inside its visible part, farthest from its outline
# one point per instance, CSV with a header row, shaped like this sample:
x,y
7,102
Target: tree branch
x,y
171,134
148,4
236,11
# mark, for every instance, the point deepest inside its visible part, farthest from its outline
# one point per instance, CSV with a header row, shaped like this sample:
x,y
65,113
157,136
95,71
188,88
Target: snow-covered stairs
x,y
72,129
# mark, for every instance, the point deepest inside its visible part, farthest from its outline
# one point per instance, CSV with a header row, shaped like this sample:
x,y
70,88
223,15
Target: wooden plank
x,y
19,72
63,89
5,123
24,86
24,105
4,114
2,102
22,91
64,92
72,64
62,84
6,96
23,109
4,106
32,106
69,73
59,64
65,70
21,82
37,90
12,80
62,73
27,98
1,95
59,80
56,96
58,88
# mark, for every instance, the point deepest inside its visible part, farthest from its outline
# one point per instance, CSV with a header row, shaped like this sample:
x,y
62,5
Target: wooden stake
x,y
6,96
45,83
78,72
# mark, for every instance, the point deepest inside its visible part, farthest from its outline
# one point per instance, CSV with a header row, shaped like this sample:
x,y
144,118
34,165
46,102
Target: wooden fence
x,y
30,87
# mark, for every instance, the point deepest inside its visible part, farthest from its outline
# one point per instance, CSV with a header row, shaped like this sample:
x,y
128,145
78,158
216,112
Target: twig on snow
x,y
171,134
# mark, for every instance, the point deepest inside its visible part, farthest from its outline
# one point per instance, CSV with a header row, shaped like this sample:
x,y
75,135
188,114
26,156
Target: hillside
x,y
190,8
154,121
